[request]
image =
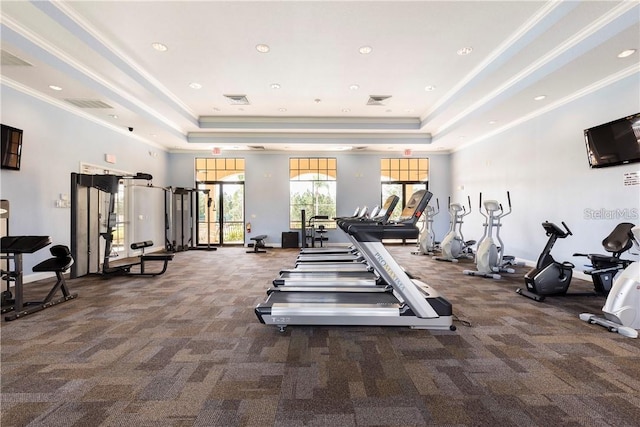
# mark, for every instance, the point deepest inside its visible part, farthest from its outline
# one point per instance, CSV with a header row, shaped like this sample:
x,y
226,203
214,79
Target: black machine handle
x,y
567,228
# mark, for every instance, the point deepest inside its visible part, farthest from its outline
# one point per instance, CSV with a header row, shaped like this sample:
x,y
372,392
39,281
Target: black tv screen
x,y
614,143
11,148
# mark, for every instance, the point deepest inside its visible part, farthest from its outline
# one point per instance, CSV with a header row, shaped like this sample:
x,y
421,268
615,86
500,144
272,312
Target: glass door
x,y
220,213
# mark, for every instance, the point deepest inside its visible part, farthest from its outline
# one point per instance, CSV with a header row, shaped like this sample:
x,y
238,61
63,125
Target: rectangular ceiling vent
x,y
88,103
377,99
238,99
9,59
256,147
360,148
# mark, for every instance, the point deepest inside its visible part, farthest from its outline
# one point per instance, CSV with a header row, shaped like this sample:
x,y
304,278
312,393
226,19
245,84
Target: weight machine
x,y
87,228
181,215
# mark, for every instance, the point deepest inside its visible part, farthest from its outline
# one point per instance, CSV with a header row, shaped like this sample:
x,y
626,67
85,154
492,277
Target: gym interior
x,y
185,347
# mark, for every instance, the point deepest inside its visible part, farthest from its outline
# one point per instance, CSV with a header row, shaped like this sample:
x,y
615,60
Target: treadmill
x,y
340,275
410,303
350,254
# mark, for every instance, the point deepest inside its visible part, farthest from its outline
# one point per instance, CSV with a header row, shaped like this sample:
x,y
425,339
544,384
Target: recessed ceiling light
x,y
539,97
354,87
365,50
429,88
464,51
159,47
54,87
492,122
216,109
275,86
195,85
263,48
388,111
282,110
626,53
113,116
346,110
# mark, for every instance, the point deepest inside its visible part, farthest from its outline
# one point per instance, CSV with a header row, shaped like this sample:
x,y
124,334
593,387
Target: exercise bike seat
x,y
619,240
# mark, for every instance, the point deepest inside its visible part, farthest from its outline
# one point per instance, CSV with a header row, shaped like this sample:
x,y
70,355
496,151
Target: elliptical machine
x,y
549,277
453,246
622,308
427,244
490,258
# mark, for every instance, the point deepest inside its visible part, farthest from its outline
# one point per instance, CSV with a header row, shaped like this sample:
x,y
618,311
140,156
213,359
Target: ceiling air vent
x,y
88,103
360,148
256,147
238,99
377,99
10,59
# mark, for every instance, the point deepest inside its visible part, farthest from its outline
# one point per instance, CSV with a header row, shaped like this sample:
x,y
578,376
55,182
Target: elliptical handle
x,y
480,203
509,202
469,199
567,228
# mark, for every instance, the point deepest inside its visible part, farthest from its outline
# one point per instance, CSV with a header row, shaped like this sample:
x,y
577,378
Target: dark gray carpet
x,y
186,349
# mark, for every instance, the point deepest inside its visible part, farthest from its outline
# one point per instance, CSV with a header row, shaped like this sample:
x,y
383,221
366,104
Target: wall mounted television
x,y
614,143
11,148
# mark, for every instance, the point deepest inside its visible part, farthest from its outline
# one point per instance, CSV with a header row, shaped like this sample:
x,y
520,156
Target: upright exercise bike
x,y
490,258
453,246
622,308
427,244
549,277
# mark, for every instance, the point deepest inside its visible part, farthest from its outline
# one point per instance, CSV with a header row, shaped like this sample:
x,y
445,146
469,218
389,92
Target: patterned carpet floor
x,y
186,349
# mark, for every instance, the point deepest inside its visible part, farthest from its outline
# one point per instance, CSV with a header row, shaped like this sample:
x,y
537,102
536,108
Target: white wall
x,y
55,142
267,186
543,163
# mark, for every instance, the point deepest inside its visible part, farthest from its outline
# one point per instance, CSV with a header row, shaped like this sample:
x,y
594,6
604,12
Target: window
x,y
404,170
312,187
212,170
403,177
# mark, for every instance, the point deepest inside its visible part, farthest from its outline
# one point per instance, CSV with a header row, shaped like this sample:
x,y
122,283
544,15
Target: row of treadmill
x,y
361,284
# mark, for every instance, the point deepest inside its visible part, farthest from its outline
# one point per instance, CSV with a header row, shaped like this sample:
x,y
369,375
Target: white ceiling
x,y
102,51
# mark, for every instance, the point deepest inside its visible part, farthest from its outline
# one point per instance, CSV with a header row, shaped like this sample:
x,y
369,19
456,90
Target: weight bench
x,y
59,264
143,260
259,244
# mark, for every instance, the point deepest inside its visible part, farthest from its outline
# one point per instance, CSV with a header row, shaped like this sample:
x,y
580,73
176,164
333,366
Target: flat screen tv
x,y
11,148
614,143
